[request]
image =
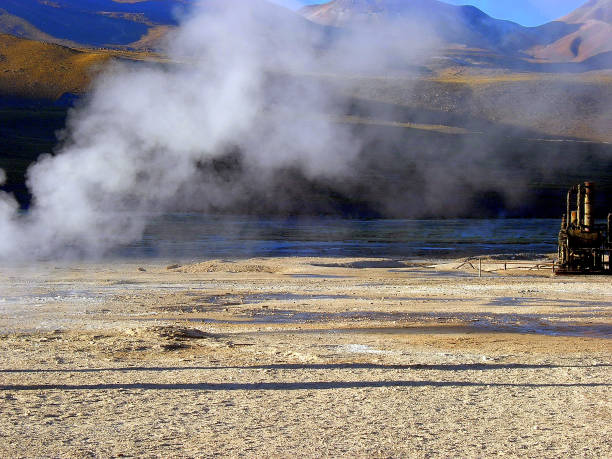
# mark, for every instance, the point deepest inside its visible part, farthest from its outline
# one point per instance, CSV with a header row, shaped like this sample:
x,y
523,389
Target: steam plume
x,y
135,148
238,106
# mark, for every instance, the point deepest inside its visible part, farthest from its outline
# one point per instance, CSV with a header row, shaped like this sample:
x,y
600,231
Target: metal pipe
x,y
589,188
579,203
564,222
568,213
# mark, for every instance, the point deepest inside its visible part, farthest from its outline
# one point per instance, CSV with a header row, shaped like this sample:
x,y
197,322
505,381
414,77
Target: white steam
x,y
254,81
133,149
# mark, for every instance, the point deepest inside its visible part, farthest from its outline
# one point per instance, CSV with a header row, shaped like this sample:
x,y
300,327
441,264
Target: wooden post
x,y
480,267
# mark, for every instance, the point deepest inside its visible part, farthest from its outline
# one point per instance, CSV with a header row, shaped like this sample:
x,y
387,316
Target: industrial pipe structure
x,y
584,246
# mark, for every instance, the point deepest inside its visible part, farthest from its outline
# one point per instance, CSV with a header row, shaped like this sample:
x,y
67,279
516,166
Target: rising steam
x,y
238,107
136,147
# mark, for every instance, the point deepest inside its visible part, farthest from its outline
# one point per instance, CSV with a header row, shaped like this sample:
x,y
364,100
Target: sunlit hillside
x,y
43,71
31,69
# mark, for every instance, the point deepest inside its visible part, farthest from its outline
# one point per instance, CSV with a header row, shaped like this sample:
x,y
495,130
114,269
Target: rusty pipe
x,y
569,205
589,189
579,204
570,193
564,223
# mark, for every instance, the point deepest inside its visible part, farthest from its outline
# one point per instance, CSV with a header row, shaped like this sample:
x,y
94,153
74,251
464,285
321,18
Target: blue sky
x,y
525,12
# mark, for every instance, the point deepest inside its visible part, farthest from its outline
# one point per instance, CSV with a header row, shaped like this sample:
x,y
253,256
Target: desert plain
x,y
314,357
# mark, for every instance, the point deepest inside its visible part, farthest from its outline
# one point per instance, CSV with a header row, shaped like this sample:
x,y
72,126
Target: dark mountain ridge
x,y
89,22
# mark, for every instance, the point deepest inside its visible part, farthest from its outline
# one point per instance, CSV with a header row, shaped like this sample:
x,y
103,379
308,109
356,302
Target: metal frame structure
x,y
584,247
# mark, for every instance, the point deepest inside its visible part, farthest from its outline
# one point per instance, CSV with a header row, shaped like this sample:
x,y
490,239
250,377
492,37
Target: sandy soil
x,y
314,357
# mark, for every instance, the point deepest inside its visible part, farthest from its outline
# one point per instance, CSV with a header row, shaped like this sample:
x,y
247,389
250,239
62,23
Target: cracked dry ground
x,y
276,357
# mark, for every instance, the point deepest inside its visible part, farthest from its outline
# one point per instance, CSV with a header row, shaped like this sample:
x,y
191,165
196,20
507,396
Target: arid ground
x,y
303,357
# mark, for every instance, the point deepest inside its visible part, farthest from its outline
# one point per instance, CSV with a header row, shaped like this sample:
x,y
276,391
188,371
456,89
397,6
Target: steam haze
x,y
252,105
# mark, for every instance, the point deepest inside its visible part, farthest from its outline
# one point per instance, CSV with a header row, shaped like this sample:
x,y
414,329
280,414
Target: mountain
x,y
91,23
593,10
592,36
582,35
464,25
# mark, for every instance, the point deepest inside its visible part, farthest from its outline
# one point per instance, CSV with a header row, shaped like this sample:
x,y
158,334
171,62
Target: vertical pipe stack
x,y
569,205
588,205
585,247
579,202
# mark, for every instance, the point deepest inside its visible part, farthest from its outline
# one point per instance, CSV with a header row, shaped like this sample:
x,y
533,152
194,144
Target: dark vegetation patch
x,y
519,177
26,133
